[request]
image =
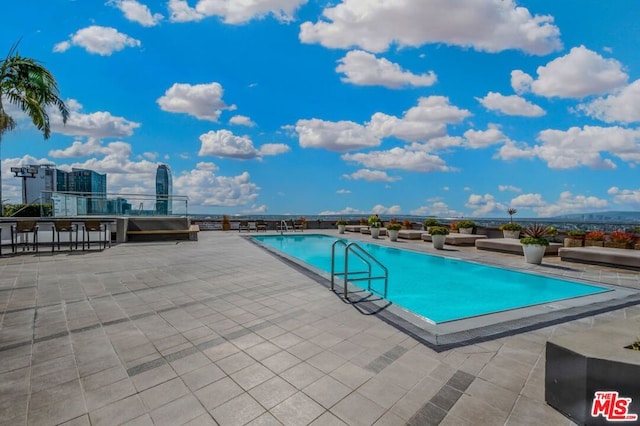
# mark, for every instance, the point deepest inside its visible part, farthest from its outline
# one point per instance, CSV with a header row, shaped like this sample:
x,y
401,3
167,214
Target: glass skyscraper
x,y
164,189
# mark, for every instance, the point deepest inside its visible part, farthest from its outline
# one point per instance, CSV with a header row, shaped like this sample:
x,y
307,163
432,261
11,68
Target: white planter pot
x,y
341,229
533,253
393,234
438,241
375,232
465,230
511,234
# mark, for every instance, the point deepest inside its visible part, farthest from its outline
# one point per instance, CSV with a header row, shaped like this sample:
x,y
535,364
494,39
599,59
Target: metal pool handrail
x,y
363,255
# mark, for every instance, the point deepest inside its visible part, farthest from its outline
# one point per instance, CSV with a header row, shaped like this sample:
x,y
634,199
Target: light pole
x,y
25,173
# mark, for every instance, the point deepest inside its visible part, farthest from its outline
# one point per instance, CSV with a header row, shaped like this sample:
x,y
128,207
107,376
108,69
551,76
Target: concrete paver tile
x,y
238,411
297,410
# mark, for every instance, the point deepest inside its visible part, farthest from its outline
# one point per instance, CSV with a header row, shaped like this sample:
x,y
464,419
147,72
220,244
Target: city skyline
x,y
432,108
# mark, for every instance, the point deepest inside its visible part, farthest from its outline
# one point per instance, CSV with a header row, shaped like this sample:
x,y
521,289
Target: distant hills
x,y
611,216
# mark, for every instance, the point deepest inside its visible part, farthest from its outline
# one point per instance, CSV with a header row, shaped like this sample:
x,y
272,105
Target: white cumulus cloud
x,y
205,188
620,107
629,198
241,120
484,138
100,124
510,105
137,12
223,143
484,205
234,11
371,176
485,25
581,72
566,203
334,136
99,40
588,146
203,101
364,69
427,120
401,159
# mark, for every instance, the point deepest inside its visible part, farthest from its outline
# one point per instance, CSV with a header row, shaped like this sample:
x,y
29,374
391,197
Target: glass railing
x,y
69,204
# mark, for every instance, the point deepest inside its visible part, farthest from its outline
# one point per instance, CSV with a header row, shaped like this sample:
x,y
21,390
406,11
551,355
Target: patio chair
x,y
244,226
64,226
261,225
297,226
22,229
253,227
96,227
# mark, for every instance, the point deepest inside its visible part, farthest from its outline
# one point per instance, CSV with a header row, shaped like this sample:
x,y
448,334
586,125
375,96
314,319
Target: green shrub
x,y
466,224
28,210
439,230
511,226
432,221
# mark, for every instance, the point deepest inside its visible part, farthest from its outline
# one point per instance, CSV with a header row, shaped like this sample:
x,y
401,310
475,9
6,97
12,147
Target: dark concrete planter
x,y
579,364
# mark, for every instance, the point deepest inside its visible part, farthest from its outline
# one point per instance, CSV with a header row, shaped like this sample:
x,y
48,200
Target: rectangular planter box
x,y
593,243
611,244
573,242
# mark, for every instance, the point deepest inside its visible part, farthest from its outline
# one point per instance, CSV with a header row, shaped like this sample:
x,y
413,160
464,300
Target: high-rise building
x,y
48,179
164,189
87,182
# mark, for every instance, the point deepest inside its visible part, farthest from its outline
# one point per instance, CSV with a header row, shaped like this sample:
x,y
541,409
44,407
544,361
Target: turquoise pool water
x,y
440,289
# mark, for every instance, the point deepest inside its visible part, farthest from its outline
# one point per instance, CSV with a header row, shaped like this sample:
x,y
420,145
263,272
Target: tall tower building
x,y
164,189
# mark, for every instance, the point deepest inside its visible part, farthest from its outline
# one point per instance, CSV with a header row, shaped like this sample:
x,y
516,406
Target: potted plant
x,y
374,225
534,243
594,238
620,239
392,229
511,230
429,222
453,227
466,226
438,236
342,224
407,224
575,238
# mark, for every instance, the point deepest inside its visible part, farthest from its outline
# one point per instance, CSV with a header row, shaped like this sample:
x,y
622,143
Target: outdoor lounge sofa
x,y
458,239
354,228
512,245
410,234
622,258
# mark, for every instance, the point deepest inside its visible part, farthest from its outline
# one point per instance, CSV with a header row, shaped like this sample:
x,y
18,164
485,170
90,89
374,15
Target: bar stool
x,y
64,226
23,228
90,226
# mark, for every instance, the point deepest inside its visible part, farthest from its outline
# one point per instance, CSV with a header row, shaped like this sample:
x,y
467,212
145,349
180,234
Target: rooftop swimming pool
x,y
437,288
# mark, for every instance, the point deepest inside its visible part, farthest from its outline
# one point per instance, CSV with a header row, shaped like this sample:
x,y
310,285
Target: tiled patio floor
x,y
220,332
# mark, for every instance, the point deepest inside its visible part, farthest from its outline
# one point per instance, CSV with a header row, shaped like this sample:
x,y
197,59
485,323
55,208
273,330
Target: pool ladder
x,y
283,227
354,249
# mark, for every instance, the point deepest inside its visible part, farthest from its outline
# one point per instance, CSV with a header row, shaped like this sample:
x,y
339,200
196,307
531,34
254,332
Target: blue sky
x,y
415,107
